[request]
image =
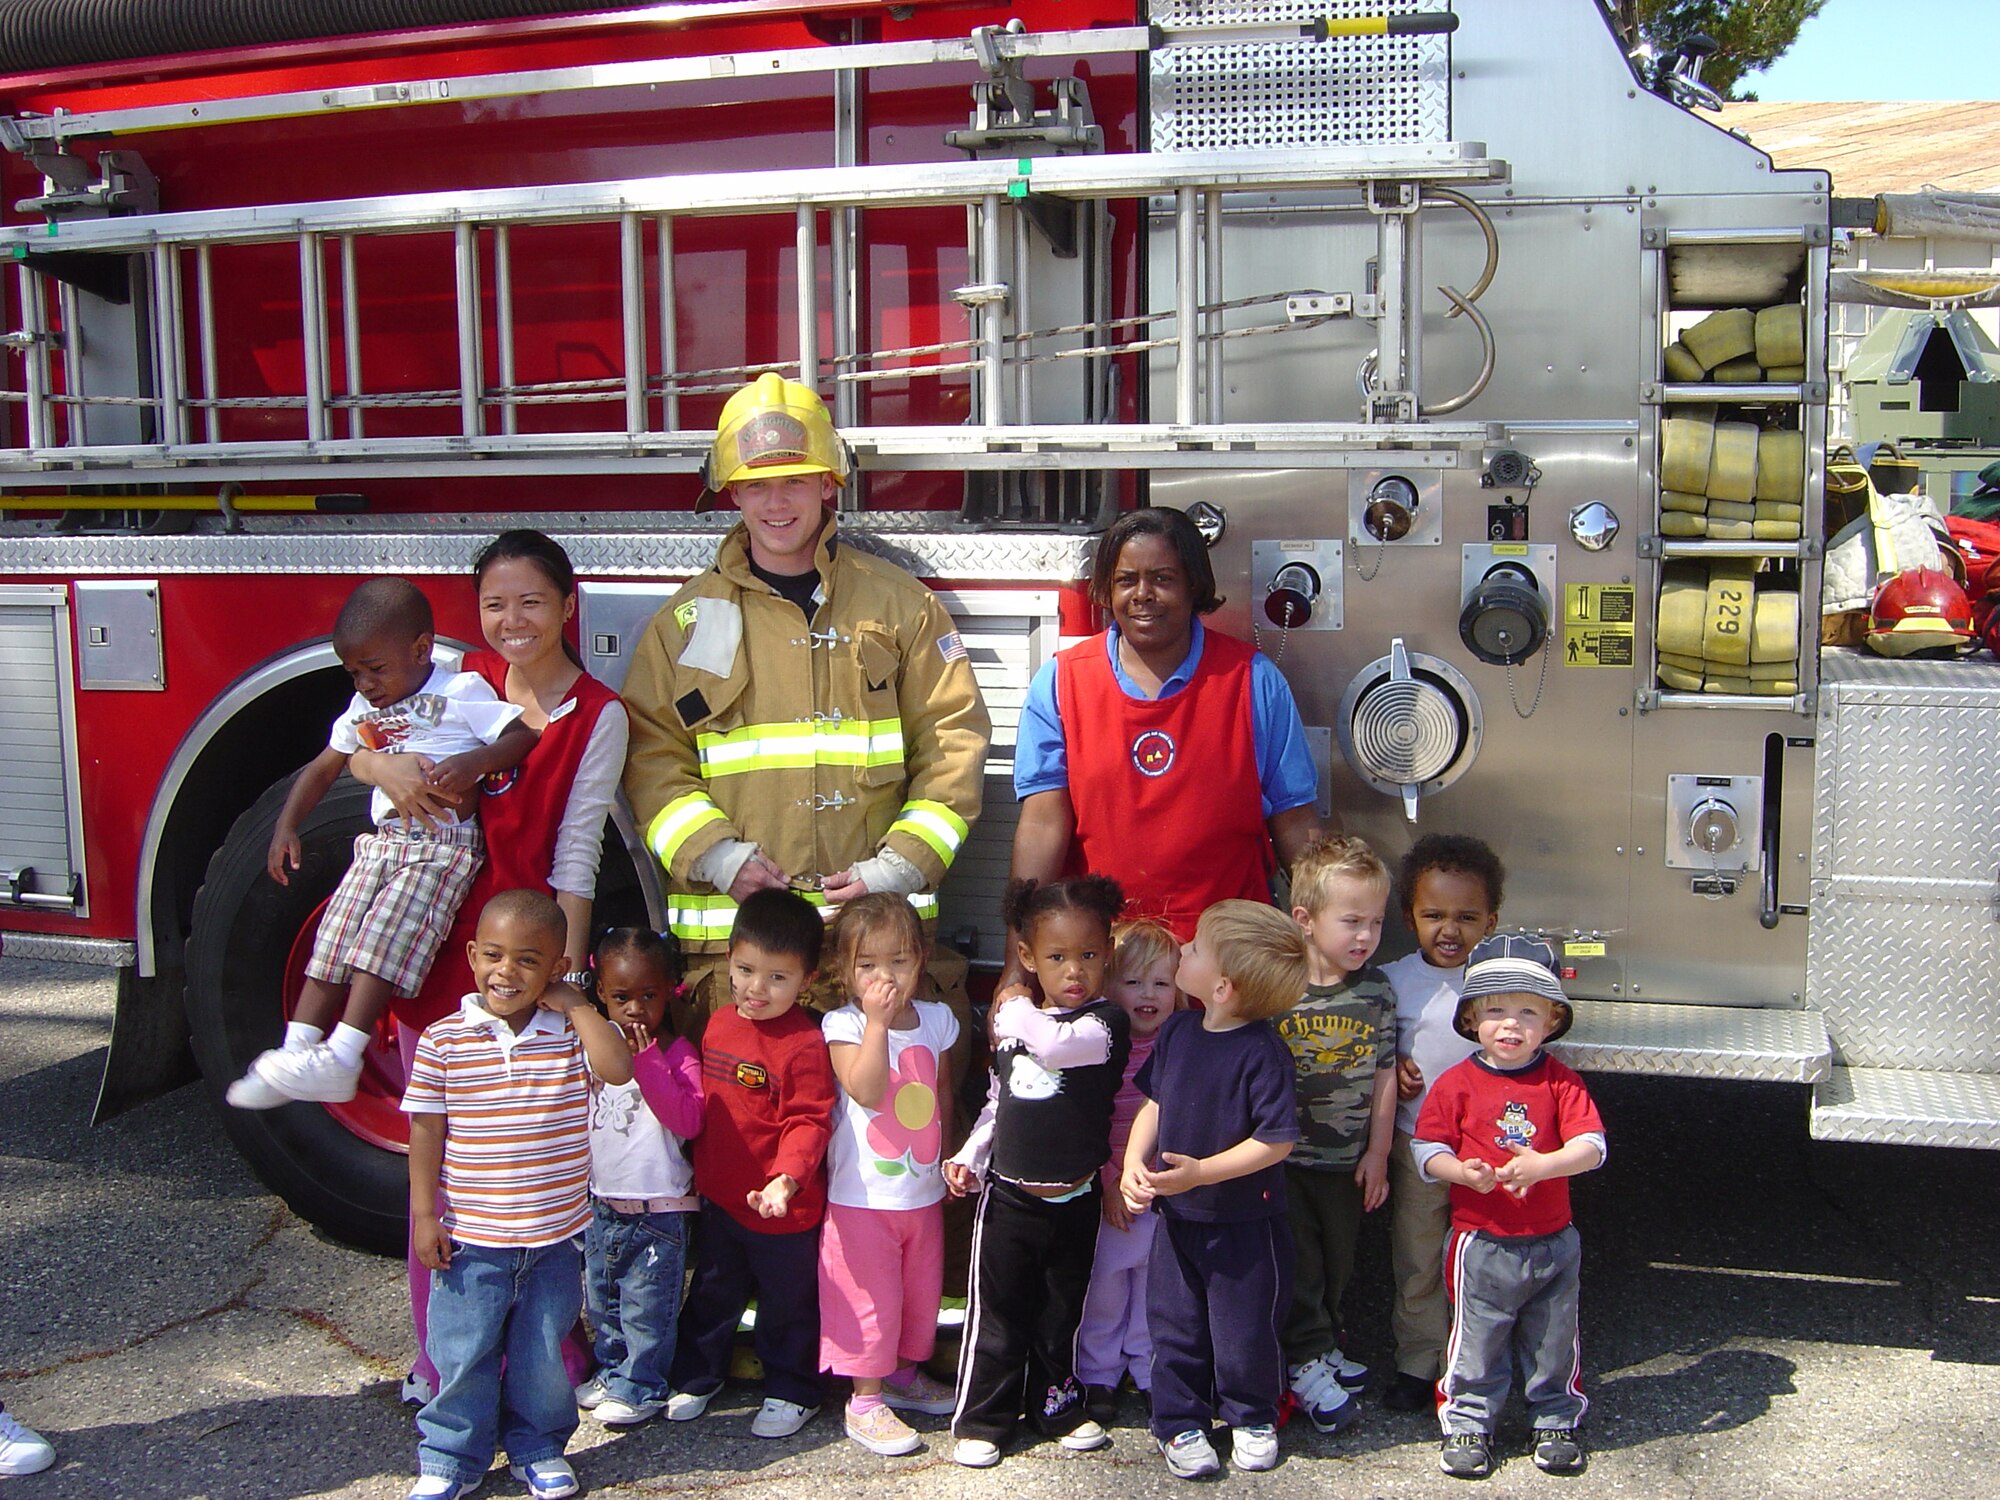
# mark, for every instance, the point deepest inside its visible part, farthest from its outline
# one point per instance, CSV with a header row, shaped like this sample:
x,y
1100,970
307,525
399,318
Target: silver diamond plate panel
x,y
1264,95
1899,1107
54,947
1697,1041
617,546
1906,984
1903,943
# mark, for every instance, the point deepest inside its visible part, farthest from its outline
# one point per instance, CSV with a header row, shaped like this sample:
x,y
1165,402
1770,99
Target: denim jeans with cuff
x,y
635,1265
497,1319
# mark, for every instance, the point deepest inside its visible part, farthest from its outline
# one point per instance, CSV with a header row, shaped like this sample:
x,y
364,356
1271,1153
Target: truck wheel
x,y
336,1166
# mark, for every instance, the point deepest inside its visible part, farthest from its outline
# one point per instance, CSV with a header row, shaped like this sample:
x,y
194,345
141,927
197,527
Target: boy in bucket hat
x,y
1506,1129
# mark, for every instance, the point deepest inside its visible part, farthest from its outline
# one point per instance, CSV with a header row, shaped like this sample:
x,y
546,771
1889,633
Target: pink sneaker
x,y
880,1430
931,1397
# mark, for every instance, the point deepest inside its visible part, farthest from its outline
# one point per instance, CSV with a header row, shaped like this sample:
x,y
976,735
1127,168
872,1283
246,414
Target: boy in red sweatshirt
x,y
768,1096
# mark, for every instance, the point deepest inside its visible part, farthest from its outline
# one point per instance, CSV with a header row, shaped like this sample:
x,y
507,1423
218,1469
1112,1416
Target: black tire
x,y
245,924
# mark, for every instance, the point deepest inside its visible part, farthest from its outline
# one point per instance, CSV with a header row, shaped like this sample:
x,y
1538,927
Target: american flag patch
x,y
951,648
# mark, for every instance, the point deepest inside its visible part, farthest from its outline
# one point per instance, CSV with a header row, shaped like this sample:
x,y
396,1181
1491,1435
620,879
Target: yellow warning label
x,y
1510,549
1583,950
1598,604
1597,646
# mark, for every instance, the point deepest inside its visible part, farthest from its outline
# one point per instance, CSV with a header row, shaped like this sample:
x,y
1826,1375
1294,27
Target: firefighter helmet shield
x,y
772,428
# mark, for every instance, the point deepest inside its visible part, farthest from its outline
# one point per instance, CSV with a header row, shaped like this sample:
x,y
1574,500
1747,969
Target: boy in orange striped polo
x,y
499,1107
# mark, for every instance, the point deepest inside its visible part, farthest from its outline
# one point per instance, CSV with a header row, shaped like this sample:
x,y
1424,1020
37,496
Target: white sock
x,y
299,1036
348,1044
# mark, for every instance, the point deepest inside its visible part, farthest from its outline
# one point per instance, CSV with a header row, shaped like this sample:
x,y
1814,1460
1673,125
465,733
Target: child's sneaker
x,y
251,1091
22,1449
1084,1437
1466,1455
685,1406
546,1478
1328,1404
780,1419
975,1453
1558,1450
592,1394
316,1075
1352,1376
611,1412
880,1430
931,1397
438,1487
417,1391
1253,1449
1190,1455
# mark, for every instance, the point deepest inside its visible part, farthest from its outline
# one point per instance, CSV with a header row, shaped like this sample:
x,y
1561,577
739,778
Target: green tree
x,y
1749,34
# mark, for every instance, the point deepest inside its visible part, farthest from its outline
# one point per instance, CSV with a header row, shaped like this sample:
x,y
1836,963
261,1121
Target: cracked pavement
x,y
1764,1317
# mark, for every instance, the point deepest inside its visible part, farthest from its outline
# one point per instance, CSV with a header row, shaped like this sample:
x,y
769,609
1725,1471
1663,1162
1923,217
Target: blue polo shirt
x,y
1286,776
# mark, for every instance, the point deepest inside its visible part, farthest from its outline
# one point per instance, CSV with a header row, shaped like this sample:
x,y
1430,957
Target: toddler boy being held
x,y
1507,1128
1342,1037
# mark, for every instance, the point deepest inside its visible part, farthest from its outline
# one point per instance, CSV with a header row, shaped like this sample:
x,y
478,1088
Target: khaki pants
x,y
1419,1220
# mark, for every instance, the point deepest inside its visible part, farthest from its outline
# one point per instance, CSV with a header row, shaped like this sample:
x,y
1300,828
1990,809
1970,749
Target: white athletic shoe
x,y
1253,1449
252,1092
780,1419
315,1075
22,1449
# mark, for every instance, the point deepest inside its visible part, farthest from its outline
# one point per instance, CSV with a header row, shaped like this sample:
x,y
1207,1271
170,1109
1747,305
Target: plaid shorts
x,y
393,908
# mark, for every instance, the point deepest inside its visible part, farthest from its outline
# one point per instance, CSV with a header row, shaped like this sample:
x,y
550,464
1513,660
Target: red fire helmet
x,y
1921,610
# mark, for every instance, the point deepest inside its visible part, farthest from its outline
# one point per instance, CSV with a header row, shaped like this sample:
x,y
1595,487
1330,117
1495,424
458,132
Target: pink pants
x,y
881,1272
577,1359
1113,1338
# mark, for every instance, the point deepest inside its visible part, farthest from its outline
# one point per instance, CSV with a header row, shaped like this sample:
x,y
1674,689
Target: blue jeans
x,y
497,1319
634,1265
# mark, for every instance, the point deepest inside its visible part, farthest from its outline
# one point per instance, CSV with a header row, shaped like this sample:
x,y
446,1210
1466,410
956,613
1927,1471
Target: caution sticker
x,y
1583,949
1597,646
1599,603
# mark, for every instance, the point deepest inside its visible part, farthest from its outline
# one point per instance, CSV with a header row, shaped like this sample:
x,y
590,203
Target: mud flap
x,y
149,1053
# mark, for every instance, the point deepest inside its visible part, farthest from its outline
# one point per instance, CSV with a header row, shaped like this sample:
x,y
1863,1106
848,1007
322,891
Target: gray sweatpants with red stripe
x,y
1513,1302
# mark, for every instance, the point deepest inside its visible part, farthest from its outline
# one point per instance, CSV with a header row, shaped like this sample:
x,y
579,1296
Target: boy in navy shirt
x,y
1219,1117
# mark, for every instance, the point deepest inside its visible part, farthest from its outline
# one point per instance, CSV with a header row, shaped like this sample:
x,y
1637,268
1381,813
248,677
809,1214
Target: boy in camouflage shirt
x,y
1342,1037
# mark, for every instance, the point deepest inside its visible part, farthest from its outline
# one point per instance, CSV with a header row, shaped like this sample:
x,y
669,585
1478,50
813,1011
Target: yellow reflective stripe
x,y
676,821
777,747
708,919
934,823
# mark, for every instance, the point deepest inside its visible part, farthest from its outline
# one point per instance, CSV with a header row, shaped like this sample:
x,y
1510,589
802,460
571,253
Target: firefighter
x,y
803,713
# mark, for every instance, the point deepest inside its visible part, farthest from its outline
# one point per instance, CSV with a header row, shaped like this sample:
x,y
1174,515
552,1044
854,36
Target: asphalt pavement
x,y
1764,1316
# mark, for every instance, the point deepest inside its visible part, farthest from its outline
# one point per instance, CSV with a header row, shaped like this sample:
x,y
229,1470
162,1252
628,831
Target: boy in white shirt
x,y
394,906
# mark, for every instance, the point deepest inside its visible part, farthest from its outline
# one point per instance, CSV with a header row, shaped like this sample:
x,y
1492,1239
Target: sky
x,y
1889,49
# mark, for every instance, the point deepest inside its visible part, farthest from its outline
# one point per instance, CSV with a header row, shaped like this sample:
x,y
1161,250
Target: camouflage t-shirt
x,y
1339,1034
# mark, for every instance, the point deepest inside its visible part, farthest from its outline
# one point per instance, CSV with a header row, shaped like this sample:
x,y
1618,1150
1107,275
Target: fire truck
x,y
1396,301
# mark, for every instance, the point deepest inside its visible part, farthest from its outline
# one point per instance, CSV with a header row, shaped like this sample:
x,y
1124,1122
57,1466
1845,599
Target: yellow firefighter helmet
x,y
771,428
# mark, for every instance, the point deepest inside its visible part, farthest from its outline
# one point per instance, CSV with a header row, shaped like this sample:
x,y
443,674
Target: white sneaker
x,y
780,1419
1253,1449
22,1449
975,1453
1327,1403
1190,1455
612,1412
437,1487
591,1394
1352,1376
417,1391
251,1091
1083,1437
315,1075
685,1406
546,1478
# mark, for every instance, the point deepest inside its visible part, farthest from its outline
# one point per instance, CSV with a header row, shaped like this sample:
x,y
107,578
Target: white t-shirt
x,y
632,1155
453,712
1426,1002
892,1158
